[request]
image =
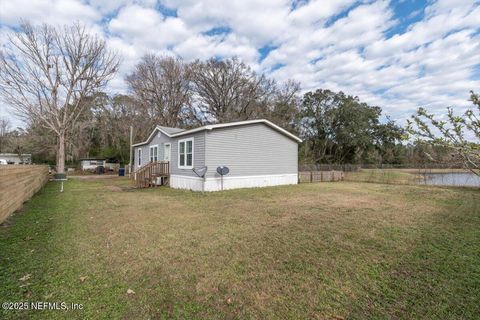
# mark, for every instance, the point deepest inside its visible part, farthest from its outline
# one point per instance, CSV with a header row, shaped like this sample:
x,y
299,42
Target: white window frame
x,y
139,157
155,156
178,152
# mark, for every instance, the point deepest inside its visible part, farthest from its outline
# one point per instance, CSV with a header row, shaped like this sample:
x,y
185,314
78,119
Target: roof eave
x,y
150,137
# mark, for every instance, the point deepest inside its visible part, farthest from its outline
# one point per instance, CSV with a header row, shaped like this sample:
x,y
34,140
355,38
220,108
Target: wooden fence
x,y
320,176
18,183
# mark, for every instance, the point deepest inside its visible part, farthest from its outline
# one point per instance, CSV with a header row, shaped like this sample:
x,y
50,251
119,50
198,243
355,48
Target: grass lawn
x,y
316,251
389,176
395,176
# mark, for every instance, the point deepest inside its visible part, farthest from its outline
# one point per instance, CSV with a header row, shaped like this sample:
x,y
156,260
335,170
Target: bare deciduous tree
x,y
229,90
285,106
46,73
4,131
161,85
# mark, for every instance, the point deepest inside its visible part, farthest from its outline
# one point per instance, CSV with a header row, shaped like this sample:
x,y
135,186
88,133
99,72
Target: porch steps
x,y
147,176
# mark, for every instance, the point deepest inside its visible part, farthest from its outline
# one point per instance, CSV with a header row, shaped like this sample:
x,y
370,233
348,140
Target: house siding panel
x,y
198,154
250,150
159,139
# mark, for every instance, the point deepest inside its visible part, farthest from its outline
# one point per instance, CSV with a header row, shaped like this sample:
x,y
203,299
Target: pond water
x,y
465,179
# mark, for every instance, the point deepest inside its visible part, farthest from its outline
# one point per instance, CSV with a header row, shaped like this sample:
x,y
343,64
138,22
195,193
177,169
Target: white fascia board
x,y
151,136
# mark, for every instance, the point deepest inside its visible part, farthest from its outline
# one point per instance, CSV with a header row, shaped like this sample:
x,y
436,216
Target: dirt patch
x,y
94,177
114,188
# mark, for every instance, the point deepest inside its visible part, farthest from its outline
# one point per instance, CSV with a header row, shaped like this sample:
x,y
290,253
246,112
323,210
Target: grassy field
x,y
395,176
389,176
317,251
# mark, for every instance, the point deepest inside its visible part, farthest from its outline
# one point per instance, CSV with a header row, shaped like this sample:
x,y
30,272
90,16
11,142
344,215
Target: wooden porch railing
x,y
147,175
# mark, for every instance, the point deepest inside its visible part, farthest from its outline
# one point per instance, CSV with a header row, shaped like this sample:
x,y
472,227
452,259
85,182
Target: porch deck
x,y
148,175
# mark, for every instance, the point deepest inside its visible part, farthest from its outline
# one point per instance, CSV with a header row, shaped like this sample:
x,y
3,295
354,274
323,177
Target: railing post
x,y
146,175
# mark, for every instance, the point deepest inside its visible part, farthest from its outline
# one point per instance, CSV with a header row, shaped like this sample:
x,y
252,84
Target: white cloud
x,y
217,46
133,21
317,12
439,23
260,21
108,6
46,11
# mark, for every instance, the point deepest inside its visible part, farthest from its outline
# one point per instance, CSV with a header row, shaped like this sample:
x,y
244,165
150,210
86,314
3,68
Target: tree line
x,y
54,78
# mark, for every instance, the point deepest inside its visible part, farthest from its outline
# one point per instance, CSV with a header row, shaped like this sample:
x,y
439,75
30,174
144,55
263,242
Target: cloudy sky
x,y
395,54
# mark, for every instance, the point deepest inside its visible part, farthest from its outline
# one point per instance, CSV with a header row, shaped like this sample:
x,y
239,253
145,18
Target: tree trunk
x,y
61,153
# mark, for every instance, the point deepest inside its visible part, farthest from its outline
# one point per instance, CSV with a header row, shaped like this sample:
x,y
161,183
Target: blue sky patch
x,y
265,50
407,13
217,31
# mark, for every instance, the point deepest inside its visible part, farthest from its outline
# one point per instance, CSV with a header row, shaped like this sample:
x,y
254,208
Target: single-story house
x,y
15,158
257,153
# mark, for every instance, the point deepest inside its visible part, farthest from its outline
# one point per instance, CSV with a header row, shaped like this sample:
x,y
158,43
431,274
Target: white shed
x,y
91,163
15,158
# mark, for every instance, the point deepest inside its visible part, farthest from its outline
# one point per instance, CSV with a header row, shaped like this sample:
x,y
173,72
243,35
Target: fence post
x,y
311,176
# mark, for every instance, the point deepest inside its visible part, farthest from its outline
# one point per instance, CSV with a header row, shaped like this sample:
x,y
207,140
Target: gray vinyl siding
x,y
159,139
198,154
250,150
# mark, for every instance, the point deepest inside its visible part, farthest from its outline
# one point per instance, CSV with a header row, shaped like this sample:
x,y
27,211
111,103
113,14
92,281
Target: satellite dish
x,y
223,170
200,171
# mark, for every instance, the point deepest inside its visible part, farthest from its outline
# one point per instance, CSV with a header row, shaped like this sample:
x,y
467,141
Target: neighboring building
x,y
257,152
112,165
15,158
91,163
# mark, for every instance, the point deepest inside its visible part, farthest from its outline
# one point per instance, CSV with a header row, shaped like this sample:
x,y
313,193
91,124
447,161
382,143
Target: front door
x,y
167,152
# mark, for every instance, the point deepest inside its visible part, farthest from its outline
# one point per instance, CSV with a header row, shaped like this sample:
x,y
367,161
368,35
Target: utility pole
x,y
130,154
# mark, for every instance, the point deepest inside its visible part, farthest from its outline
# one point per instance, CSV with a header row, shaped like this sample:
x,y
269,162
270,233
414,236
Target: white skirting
x,y
186,182
215,184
